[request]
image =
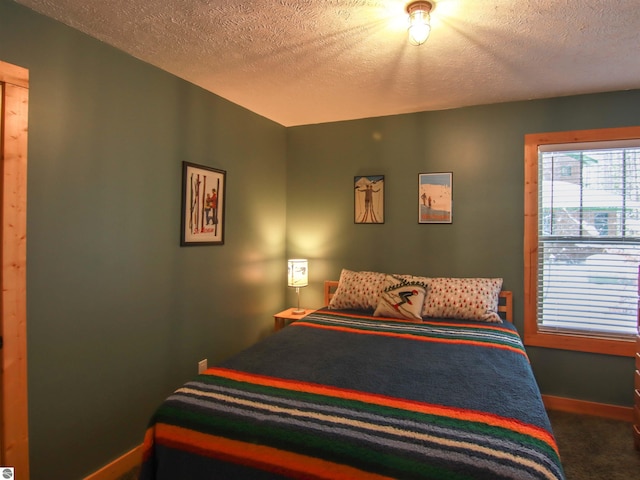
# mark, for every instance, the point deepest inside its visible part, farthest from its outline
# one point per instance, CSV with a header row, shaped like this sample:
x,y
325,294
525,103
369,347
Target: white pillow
x,y
463,298
357,290
401,298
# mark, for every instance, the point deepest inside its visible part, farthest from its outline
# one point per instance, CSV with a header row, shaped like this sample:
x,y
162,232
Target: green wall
x,y
483,147
118,313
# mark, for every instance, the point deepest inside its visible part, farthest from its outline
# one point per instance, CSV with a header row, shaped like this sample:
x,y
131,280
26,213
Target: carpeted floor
x,y
591,448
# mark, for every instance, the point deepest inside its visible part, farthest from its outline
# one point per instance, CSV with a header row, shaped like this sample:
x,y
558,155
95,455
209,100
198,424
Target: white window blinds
x,y
589,238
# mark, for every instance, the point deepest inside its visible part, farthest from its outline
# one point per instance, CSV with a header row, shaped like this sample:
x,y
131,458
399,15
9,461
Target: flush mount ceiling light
x,y
419,21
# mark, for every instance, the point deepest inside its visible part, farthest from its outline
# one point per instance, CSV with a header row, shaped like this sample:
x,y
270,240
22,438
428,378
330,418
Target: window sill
x,y
582,343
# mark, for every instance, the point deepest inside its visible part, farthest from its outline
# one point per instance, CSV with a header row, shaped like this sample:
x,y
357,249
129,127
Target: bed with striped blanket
x,y
341,395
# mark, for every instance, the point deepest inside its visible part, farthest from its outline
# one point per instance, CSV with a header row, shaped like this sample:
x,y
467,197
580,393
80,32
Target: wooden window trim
x,y
532,335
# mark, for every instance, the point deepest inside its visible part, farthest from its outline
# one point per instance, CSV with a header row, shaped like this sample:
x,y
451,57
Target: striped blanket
x,y
344,396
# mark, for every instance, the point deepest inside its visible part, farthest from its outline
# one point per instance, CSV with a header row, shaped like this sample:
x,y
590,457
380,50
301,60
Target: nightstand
x,y
281,318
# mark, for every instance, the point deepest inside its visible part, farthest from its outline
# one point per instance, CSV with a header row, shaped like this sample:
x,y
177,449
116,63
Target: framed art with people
x,y
435,198
368,199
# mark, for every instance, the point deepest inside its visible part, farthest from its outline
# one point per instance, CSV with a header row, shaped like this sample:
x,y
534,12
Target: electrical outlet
x,y
202,365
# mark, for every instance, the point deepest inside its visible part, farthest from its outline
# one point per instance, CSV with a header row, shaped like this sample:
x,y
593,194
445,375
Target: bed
x,y
345,394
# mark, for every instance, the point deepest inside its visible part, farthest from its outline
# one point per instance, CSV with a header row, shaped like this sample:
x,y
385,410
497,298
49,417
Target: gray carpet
x,y
591,448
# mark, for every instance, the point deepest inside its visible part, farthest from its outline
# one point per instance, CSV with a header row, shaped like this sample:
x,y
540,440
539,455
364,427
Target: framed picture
x,y
368,199
203,202
435,198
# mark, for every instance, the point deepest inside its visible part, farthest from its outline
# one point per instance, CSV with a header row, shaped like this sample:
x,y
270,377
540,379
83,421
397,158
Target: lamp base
x,y
297,311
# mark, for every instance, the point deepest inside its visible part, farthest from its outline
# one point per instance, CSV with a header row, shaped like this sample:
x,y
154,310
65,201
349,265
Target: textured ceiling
x,y
313,61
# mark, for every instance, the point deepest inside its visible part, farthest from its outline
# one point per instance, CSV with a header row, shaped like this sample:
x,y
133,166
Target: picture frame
x,y
368,199
435,197
203,205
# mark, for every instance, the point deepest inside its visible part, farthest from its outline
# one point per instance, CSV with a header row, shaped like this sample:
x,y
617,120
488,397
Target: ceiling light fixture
x,y
419,21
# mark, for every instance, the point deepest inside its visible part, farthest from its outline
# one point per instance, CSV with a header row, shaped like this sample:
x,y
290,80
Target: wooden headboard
x,y
505,306
329,289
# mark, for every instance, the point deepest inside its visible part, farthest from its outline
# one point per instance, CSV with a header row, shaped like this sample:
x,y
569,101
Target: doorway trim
x,y
14,424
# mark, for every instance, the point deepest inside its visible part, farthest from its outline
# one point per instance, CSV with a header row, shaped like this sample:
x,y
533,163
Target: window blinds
x,y
589,238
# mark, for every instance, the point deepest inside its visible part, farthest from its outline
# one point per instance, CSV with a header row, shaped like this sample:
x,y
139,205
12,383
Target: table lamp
x,y
298,276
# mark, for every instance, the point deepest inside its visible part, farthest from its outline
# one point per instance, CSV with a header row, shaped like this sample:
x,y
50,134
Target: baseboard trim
x,y
119,466
583,407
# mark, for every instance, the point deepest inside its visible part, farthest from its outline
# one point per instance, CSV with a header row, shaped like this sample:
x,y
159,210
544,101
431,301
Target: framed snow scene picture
x,y
203,202
435,198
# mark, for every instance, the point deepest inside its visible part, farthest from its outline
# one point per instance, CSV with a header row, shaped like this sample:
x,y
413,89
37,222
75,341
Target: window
x,y
582,239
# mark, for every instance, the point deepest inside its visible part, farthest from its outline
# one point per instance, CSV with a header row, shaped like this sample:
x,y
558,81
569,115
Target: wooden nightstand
x,y
281,318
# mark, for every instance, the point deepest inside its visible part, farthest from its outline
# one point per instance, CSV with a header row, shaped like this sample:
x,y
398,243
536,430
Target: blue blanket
x,y
339,395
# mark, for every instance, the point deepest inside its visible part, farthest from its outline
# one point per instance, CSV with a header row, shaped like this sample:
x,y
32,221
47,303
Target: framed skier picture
x,y
203,202
435,198
368,199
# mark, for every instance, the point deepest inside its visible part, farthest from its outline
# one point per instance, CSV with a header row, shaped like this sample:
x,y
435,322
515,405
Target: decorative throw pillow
x,y
357,290
401,298
464,299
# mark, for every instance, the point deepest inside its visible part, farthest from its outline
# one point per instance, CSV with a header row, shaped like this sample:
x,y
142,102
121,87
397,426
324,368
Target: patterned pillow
x,y
357,290
464,299
401,298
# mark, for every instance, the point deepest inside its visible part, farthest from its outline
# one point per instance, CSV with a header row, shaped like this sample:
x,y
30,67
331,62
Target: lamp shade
x,y
298,273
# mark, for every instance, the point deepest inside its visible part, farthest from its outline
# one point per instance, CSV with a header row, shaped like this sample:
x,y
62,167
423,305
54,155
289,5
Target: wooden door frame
x,y
14,427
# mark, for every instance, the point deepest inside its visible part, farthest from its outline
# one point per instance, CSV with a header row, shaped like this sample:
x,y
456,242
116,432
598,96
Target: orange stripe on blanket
x,y
409,336
386,401
147,444
364,316
349,314
475,325
265,458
